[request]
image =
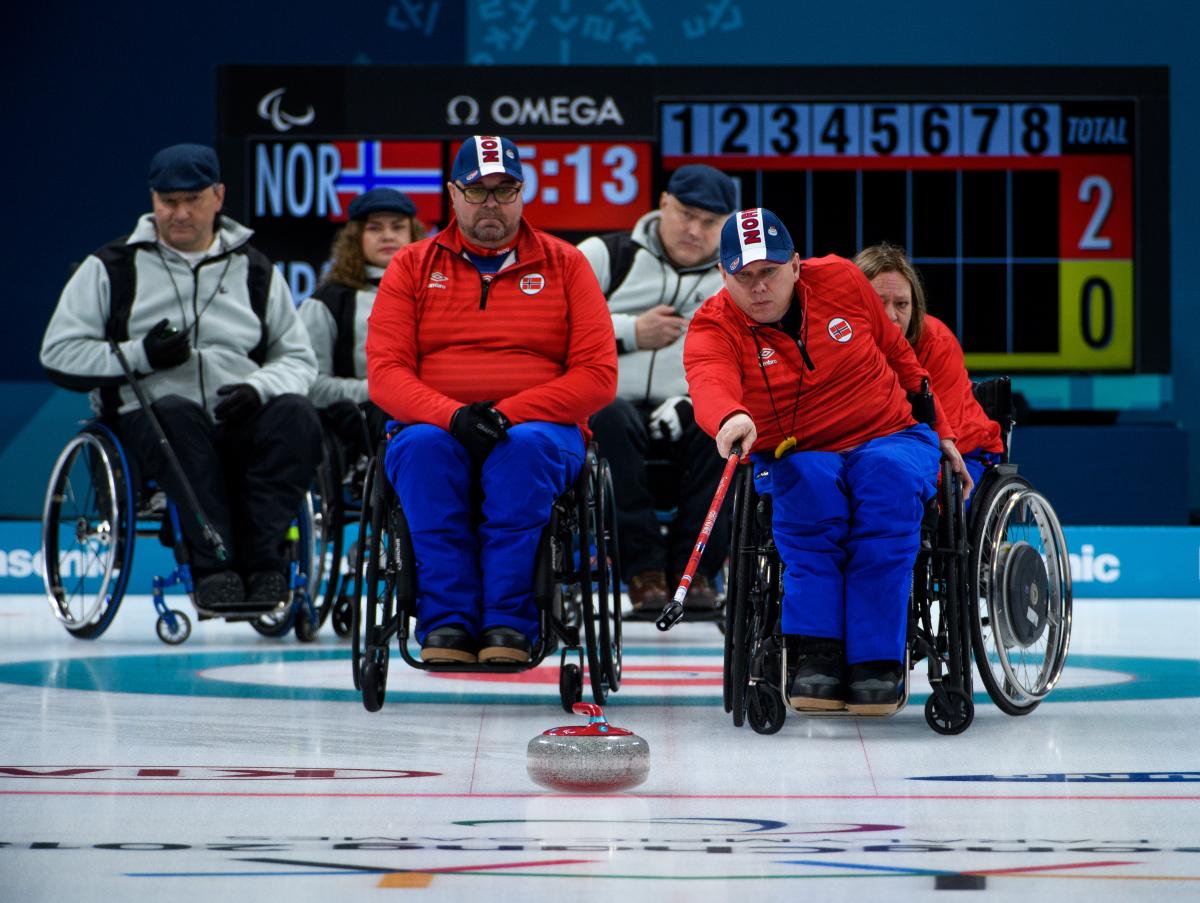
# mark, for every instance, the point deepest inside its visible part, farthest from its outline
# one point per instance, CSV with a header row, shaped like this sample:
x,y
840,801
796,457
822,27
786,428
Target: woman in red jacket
x,y
795,362
899,285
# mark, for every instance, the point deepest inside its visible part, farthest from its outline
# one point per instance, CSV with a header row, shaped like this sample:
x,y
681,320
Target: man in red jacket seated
x,y
795,362
899,286
492,343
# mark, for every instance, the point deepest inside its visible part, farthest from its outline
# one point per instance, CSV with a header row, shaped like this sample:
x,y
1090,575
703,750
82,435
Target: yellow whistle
x,y
785,446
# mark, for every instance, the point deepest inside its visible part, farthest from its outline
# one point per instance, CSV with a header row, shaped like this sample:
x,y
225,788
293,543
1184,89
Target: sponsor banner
x,y
1106,562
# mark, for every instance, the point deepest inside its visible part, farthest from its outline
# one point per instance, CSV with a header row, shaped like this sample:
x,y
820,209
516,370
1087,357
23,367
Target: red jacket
x,y
537,340
863,365
939,353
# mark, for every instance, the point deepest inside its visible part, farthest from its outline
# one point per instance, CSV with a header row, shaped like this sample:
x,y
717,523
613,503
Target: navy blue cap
x,y
381,199
482,155
702,186
754,234
184,167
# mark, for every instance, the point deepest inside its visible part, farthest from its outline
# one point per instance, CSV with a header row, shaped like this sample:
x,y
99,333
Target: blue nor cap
x,y
381,200
184,167
754,234
483,155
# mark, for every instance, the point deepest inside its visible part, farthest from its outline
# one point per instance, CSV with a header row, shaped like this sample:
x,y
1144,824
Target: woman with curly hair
x,y
382,221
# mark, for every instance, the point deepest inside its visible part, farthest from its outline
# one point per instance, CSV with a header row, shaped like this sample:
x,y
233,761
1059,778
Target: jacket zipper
x,y
485,284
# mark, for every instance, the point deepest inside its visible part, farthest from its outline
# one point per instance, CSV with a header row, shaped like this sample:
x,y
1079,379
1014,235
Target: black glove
x,y
166,348
479,427
241,403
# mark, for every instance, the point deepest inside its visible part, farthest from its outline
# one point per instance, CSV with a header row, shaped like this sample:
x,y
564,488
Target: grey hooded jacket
x,y
646,375
231,341
336,319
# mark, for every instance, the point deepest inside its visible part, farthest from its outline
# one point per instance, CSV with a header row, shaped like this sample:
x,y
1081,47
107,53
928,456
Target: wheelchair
x,y
996,585
576,590
337,495
96,507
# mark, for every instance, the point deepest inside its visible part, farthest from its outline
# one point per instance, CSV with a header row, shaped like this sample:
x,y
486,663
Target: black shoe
x,y
449,645
504,645
817,682
267,589
220,591
875,688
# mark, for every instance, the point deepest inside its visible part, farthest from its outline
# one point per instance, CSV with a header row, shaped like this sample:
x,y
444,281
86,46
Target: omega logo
x,y
508,110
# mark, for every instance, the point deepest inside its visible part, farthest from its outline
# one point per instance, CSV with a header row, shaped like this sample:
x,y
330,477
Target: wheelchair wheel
x,y
952,720
365,538
329,515
173,635
608,581
301,554
570,686
381,537
88,523
374,678
1020,593
739,633
765,709
591,600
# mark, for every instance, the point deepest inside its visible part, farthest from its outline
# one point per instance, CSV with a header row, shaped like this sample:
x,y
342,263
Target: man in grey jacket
x,y
210,328
655,278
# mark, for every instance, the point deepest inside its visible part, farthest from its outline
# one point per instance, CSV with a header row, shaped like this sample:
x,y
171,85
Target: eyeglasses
x,y
477,194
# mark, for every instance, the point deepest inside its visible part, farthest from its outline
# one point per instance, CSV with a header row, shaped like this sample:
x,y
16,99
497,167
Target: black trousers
x,y
249,477
686,475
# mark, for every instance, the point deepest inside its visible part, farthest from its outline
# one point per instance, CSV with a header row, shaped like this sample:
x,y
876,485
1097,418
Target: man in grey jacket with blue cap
x,y
655,278
209,326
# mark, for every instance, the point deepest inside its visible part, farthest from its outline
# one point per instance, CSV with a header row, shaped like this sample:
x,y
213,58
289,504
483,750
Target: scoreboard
x,y
1033,201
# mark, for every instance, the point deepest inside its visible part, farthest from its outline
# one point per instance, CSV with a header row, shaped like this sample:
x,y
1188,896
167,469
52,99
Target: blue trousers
x,y
475,566
848,527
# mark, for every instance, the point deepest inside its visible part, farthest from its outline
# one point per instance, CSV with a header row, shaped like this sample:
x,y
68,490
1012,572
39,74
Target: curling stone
x,y
591,758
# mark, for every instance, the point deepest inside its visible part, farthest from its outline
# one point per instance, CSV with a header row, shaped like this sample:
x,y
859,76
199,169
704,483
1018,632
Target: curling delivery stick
x,y
211,535
673,610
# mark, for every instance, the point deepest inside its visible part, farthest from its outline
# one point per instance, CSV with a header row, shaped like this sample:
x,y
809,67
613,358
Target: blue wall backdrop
x,y
94,90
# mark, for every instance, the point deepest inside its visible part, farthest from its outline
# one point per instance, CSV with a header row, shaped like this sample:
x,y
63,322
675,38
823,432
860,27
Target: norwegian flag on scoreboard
x,y
414,167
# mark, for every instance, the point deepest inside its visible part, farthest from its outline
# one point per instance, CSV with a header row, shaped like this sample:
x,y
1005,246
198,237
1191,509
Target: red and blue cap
x,y
754,234
483,155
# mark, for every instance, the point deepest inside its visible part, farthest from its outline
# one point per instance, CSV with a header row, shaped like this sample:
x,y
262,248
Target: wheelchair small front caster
x,y
306,626
765,709
343,616
173,637
959,717
570,686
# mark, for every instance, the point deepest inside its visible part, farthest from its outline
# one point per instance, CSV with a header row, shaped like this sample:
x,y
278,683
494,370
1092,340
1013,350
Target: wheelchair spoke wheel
x,y
88,532
607,579
1019,593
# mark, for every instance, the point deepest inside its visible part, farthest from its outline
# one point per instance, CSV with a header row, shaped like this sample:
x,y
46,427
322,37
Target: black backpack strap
x,y
621,251
117,258
342,302
258,284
